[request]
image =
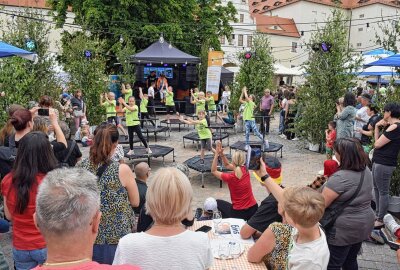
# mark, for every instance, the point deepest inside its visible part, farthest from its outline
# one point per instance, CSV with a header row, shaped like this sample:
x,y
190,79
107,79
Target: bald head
x,y
141,171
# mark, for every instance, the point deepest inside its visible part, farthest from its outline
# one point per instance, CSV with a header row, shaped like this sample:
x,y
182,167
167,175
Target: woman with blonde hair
x,y
167,242
243,205
118,191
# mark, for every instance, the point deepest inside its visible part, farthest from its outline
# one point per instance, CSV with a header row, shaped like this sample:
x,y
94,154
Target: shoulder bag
x,y
331,214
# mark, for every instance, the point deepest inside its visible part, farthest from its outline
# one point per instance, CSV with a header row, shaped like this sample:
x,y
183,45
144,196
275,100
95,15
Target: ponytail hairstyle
x,y
238,159
20,119
105,136
8,128
35,155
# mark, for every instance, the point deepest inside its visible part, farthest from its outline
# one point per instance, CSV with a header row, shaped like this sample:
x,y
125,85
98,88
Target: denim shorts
x,y
28,259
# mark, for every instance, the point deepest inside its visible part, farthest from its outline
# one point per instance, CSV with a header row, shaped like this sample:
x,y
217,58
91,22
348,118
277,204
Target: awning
x,y
7,50
164,53
391,61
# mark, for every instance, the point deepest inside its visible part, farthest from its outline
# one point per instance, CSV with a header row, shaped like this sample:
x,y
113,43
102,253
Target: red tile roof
x,y
262,6
276,26
25,3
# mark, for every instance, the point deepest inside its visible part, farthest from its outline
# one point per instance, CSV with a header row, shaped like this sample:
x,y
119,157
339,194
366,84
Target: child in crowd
x,y
127,91
210,206
144,100
248,117
133,123
85,138
301,208
330,136
170,104
108,101
225,99
230,119
210,102
203,131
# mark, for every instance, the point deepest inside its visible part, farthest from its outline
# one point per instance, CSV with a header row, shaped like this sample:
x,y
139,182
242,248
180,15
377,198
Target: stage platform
x,y
172,122
194,137
273,147
194,163
157,151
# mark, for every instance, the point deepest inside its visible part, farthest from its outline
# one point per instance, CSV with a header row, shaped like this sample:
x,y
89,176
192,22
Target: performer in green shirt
x,y
133,123
248,117
203,131
144,101
170,104
127,91
210,102
108,101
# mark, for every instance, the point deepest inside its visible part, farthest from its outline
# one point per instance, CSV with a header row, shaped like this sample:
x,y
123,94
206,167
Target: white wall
x,y
281,50
54,35
245,28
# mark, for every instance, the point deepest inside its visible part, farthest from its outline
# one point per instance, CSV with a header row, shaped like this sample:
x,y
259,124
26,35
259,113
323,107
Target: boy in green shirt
x,y
108,101
144,101
133,123
199,101
248,117
203,131
210,102
169,103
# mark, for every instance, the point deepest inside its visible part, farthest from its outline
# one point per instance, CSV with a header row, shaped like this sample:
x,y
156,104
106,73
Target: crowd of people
x,y
102,215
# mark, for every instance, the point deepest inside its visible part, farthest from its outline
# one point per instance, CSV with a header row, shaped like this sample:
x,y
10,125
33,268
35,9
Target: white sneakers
x,y
266,143
149,151
130,153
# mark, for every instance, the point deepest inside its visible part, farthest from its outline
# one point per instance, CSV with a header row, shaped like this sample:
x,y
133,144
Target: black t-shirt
x,y
142,188
57,147
266,214
387,154
73,158
151,79
366,140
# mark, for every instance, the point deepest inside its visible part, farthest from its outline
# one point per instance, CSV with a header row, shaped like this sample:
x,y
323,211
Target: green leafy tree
x,y
329,75
256,73
86,73
124,51
23,80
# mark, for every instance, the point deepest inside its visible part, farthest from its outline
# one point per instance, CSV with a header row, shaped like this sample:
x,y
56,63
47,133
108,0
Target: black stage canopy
x,y
164,52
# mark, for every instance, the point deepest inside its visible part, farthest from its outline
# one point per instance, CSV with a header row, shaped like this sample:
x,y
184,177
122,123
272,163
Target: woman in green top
x,y
110,103
144,101
133,124
127,91
203,131
169,103
248,117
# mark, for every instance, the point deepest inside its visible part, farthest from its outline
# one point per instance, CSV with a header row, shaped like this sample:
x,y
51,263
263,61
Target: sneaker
x,y
149,151
168,122
130,153
377,237
246,147
295,139
282,136
266,143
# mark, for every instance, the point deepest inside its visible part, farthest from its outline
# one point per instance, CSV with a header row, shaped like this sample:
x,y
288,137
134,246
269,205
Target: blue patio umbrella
x,y
391,61
7,50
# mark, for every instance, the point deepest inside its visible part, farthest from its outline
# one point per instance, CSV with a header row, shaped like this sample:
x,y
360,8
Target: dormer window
x,y
277,3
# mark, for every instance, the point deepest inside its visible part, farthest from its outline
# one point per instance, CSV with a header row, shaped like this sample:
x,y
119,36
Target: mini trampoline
x,y
194,137
273,147
157,151
155,130
221,126
195,164
173,121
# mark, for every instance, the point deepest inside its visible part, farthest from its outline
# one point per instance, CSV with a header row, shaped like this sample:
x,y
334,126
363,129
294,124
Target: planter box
x,y
313,147
394,205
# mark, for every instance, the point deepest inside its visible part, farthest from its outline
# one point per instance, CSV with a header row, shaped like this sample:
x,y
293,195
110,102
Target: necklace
x,y
67,263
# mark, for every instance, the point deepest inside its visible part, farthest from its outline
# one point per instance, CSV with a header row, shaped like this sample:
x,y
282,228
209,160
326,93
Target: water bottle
x,y
392,225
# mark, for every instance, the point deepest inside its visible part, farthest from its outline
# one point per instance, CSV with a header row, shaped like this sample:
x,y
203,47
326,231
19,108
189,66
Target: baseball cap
x,y
210,205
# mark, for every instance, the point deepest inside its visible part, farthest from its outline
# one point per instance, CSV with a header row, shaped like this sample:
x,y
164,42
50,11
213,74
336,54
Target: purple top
x,y
267,102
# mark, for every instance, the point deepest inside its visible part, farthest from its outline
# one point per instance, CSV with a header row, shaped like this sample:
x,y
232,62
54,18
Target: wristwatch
x,y
265,177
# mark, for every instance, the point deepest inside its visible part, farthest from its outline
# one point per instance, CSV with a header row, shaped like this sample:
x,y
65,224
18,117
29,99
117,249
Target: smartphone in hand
x,y
43,112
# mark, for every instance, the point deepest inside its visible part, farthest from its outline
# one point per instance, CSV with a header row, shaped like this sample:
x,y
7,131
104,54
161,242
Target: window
x,y
222,40
249,41
240,40
294,47
232,42
359,44
360,29
241,18
361,16
323,14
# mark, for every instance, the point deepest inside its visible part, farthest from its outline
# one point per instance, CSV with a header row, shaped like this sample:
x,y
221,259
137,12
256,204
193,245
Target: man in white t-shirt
x,y
150,94
362,115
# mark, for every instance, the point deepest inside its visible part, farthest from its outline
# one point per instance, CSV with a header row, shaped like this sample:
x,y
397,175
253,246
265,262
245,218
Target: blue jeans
x,y
104,254
251,125
28,259
282,121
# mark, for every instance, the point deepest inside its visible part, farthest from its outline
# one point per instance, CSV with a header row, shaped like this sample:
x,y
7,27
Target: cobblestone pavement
x,y
299,167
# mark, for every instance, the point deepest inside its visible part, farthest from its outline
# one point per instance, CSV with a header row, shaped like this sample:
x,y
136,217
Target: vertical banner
x,y
215,60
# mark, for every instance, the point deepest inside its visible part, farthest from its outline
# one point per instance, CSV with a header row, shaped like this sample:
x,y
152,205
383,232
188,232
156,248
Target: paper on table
x,y
235,224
